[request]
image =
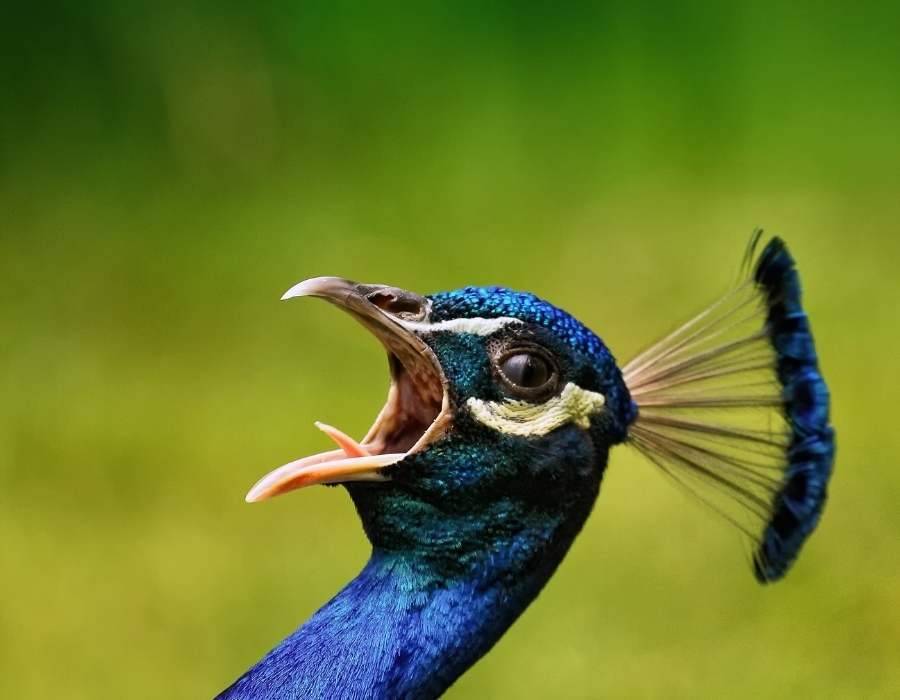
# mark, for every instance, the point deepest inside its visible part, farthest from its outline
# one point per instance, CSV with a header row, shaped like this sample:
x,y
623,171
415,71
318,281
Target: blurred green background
x,y
168,170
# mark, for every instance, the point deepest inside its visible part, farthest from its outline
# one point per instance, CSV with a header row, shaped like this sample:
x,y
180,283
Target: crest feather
x,y
732,406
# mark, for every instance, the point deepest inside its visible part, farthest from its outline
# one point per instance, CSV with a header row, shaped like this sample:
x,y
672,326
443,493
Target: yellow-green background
x,y
166,171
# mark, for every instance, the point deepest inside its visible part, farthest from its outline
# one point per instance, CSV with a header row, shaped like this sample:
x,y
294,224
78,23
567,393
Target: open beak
x,y
417,410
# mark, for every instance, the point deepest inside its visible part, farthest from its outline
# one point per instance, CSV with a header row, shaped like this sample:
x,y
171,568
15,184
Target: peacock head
x,y
500,415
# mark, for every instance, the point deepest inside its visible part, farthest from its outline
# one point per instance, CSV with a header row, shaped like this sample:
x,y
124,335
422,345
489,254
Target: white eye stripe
x,y
475,326
513,417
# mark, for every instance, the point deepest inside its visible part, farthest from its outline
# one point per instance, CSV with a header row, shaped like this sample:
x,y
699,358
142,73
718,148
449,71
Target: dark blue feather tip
x,y
798,506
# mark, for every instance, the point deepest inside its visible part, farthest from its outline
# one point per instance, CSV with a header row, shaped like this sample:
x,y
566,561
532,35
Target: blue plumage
x,y
810,454
394,632
488,456
497,302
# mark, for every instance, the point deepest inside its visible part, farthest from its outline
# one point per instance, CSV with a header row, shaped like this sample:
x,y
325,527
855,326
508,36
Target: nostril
x,y
399,302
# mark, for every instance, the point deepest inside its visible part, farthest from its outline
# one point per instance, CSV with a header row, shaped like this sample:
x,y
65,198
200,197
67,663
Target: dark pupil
x,y
529,371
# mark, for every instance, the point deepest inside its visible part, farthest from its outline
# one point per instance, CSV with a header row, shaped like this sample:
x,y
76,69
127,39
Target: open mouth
x,y
417,411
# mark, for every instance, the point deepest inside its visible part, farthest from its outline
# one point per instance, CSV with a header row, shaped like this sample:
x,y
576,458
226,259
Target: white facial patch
x,y
475,326
514,417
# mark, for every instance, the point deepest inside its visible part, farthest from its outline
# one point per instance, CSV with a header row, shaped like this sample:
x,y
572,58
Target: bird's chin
x,y
417,411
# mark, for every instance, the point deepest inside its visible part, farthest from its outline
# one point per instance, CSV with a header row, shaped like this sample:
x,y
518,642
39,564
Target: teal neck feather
x,y
440,589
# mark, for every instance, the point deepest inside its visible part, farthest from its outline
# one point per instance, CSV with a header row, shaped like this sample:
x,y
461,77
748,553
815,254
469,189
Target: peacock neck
x,y
402,629
447,577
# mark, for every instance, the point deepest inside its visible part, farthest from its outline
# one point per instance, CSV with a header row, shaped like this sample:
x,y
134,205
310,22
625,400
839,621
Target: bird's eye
x,y
527,373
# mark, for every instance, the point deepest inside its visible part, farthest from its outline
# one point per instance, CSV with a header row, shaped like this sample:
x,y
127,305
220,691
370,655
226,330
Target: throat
x,y
399,629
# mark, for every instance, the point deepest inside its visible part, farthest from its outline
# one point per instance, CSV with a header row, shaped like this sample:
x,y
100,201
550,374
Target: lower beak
x,y
332,467
383,310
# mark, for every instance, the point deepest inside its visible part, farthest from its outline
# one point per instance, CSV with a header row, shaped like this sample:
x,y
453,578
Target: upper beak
x,y
383,310
380,308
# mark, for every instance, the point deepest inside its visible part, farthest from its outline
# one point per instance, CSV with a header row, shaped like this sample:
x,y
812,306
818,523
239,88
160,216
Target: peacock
x,y
486,460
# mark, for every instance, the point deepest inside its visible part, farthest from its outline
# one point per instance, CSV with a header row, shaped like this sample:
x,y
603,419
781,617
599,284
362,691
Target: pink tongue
x,y
350,446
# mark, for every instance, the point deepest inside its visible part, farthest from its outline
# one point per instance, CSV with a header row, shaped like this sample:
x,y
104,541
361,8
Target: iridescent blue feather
x,y
810,455
733,407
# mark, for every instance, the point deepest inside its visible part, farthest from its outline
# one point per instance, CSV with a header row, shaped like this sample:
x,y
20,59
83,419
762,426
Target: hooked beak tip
x,y
329,287
298,290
